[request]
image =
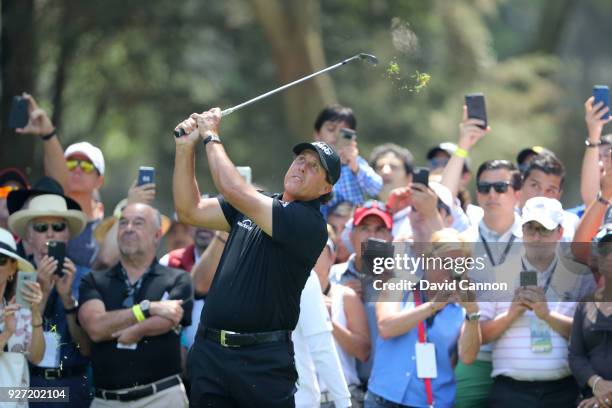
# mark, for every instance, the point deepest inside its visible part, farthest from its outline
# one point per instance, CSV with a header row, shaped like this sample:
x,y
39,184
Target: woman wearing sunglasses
x,y
21,335
46,221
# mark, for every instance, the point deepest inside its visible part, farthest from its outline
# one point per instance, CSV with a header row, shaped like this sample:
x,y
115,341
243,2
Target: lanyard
x,y
549,276
504,254
422,339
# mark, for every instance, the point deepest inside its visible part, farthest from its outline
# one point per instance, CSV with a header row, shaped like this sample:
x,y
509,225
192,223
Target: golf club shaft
x,y
225,112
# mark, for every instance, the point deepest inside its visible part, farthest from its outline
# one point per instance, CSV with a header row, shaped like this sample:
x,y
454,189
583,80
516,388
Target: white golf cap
x,y
546,211
92,152
443,193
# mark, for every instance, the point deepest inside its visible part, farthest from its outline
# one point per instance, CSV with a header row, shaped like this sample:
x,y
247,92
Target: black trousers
x,y
510,393
262,375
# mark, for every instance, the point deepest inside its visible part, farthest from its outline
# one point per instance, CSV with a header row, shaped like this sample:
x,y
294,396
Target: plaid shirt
x,y
354,188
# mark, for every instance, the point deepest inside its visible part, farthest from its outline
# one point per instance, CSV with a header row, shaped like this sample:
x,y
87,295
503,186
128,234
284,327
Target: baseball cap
x,y
533,150
93,153
546,211
373,207
443,193
328,156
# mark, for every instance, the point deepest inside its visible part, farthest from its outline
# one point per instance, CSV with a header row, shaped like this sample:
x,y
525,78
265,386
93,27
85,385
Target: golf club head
x,y
369,58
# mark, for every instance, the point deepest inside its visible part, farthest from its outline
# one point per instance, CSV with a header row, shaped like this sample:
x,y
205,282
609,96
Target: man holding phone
x,y
336,125
530,331
79,169
50,220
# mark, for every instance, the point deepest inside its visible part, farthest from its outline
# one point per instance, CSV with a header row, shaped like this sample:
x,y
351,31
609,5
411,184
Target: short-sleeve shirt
x,y
155,357
259,279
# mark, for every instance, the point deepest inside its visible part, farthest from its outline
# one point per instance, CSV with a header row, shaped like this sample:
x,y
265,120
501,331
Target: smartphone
x,y
246,173
476,108
57,250
346,137
22,278
602,94
529,278
18,117
421,175
146,175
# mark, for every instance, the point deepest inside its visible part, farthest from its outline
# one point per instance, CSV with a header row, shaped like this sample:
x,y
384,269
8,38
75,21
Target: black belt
x,y
232,339
140,392
55,373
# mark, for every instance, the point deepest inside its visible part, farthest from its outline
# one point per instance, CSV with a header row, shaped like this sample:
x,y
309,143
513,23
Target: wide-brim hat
x,y
47,205
46,185
327,155
8,247
103,227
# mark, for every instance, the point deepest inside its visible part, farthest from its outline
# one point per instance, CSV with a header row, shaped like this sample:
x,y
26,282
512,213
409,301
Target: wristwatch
x,y
472,317
211,138
588,143
145,305
602,200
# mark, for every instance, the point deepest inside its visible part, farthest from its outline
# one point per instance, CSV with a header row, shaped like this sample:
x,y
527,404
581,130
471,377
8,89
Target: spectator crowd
x,y
114,323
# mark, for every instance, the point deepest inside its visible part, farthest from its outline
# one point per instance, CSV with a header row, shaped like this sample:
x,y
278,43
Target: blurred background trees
x,y
121,74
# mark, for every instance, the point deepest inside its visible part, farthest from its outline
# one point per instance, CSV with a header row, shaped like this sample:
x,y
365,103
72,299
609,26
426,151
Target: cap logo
x,y
324,147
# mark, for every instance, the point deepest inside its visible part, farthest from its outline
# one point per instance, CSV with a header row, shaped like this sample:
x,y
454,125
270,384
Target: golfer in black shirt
x,y
243,355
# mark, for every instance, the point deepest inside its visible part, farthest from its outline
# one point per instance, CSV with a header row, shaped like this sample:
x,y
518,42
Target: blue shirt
x,y
355,188
394,374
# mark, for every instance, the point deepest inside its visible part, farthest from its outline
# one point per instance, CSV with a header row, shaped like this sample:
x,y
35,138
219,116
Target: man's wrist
x,y
69,302
49,134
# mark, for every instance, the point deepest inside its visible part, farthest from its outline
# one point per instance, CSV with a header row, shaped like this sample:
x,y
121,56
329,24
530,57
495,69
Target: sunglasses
x,y
5,259
533,228
374,204
5,190
86,166
55,226
500,187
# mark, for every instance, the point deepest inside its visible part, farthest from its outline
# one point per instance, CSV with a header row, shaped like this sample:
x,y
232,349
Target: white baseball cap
x,y
546,211
92,152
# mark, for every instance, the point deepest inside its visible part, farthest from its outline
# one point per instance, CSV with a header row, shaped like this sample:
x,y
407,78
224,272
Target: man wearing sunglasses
x,y
530,326
44,219
243,355
80,171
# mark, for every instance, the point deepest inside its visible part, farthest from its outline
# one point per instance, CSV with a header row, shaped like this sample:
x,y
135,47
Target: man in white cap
x,y
530,325
80,171
53,219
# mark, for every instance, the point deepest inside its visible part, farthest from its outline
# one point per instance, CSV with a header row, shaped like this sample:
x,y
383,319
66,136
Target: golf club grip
x,y
181,132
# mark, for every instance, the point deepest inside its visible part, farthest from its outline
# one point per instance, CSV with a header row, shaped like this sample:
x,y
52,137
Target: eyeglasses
x,y
41,227
437,163
4,259
373,204
86,166
531,228
500,187
5,190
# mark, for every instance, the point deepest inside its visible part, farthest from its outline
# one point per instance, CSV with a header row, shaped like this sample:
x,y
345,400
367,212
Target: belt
x,y
55,373
535,383
354,389
140,391
385,402
232,339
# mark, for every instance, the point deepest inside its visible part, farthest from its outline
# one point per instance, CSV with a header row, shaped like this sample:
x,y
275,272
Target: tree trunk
x,y
554,16
292,28
17,63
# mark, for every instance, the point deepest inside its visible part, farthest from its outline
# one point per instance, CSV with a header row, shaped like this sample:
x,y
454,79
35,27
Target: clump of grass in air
x,y
419,79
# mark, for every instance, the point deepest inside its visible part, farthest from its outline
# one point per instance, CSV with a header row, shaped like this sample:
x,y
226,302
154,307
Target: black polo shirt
x,y
155,357
259,279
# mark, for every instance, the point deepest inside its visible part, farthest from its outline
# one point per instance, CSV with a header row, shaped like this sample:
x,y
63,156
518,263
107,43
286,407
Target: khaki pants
x,y
174,397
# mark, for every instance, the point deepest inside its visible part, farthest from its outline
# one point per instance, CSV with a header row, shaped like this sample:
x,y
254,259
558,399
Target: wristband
x,y
459,152
140,317
72,310
50,135
595,383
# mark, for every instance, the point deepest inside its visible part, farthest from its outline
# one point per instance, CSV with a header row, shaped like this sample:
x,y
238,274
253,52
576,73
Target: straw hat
x,y
9,248
47,205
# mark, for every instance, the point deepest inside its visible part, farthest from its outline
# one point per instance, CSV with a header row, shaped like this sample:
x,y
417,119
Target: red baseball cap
x,y
373,208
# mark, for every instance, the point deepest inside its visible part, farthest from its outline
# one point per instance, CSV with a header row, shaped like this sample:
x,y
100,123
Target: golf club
x,y
364,57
